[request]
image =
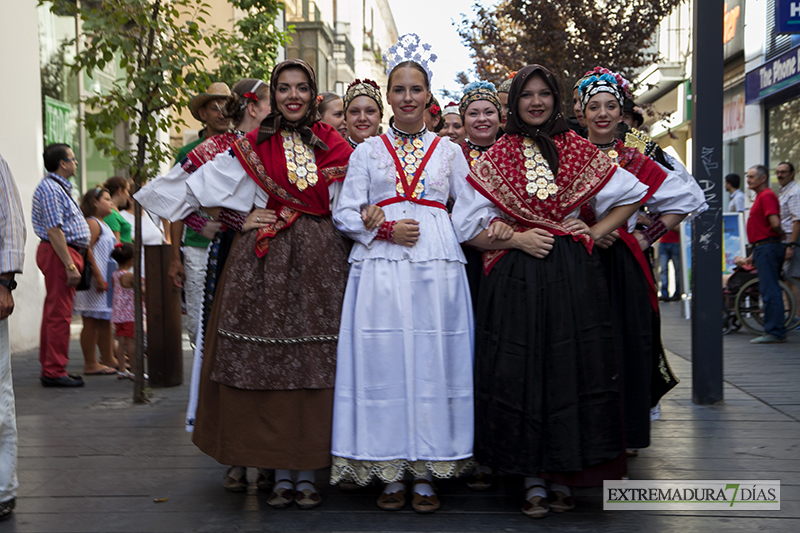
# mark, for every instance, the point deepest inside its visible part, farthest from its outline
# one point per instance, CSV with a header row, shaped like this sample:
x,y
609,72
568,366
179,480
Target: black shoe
x,y
6,508
63,381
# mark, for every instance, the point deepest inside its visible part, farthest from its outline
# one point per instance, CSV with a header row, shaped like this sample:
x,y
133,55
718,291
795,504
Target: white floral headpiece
x,y
410,48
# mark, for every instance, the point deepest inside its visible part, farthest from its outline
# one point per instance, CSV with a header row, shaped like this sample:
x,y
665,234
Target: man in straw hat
x,y
208,108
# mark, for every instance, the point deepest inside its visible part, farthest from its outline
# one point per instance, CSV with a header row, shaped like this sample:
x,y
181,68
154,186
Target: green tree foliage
x,y
253,56
158,49
568,37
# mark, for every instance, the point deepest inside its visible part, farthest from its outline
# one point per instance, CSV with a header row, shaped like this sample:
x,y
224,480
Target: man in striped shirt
x,y
12,254
59,223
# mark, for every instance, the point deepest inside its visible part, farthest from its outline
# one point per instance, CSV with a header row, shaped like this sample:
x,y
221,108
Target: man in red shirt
x,y
765,234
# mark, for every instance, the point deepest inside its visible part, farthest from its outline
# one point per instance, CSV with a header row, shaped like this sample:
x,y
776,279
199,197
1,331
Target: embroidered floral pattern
x,y
498,175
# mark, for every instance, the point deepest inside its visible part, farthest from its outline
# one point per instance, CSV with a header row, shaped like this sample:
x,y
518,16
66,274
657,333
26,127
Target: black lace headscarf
x,y
555,124
275,121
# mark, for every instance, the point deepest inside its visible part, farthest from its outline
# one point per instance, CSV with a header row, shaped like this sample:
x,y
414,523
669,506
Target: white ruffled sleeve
x,y
223,182
165,196
622,189
472,212
679,193
354,197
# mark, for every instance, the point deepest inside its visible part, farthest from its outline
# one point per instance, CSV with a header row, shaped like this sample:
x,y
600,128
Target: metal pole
x,y
707,71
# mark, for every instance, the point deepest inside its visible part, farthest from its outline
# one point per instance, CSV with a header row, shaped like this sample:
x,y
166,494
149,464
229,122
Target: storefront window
x,y
784,142
61,93
59,85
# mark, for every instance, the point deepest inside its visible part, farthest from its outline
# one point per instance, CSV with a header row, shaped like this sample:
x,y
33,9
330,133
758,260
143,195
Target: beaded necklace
x,y
475,151
541,182
300,160
408,147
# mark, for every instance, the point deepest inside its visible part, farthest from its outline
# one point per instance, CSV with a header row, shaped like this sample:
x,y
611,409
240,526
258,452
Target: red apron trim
x,y
634,247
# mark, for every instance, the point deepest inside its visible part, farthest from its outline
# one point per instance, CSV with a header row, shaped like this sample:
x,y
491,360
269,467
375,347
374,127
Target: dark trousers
x,y
768,258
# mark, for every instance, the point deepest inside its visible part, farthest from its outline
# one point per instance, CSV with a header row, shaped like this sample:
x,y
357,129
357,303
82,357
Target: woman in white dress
x,y
403,394
92,304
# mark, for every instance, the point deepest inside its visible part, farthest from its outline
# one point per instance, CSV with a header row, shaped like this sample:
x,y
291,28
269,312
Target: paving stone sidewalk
x,y
90,461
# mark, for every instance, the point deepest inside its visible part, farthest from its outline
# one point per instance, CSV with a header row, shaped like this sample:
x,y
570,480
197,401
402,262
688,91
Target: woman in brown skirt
x,y
266,386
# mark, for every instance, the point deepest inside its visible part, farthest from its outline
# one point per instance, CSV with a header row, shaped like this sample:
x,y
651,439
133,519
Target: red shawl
x,y
208,150
266,165
499,175
653,176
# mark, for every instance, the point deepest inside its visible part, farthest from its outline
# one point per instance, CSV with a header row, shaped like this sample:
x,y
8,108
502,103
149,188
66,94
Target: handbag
x,y
86,273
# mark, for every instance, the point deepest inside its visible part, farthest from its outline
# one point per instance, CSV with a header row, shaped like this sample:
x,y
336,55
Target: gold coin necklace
x,y
475,152
410,153
609,149
541,182
300,161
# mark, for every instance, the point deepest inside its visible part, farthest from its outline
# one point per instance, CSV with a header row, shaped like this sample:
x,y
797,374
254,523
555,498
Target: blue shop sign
x,y
773,76
787,16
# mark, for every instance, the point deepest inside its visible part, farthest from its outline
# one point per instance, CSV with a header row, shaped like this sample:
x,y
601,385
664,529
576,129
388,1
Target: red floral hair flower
x,y
434,109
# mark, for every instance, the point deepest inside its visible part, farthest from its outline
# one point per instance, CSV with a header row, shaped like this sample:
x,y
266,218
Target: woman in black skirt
x,y
547,402
645,375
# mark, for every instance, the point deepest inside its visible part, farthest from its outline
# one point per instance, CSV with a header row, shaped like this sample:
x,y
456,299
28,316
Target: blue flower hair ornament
x,y
602,80
479,90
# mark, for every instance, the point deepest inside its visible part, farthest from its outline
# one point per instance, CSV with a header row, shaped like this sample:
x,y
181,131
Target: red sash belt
x,y
421,201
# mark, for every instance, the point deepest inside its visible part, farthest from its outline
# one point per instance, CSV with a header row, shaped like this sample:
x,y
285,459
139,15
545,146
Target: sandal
x,y
424,504
536,506
480,481
265,480
392,502
307,498
280,497
560,502
235,479
125,375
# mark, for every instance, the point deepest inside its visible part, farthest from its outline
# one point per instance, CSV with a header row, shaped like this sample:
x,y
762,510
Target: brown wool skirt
x,y
283,417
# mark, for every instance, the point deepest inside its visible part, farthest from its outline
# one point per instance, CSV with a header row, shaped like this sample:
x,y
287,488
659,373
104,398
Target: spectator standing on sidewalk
x,y
12,254
789,199
190,273
765,233
59,223
732,185
669,249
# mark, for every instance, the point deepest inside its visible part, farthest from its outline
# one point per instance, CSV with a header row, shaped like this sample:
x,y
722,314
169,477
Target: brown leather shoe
x,y
281,498
235,480
307,498
392,502
479,481
560,502
536,507
265,480
424,504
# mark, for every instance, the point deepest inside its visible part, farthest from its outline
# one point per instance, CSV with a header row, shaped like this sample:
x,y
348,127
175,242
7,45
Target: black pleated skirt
x,y
645,375
547,399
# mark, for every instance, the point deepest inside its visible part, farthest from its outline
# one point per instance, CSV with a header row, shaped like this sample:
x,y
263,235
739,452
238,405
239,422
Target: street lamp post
x,y
707,71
